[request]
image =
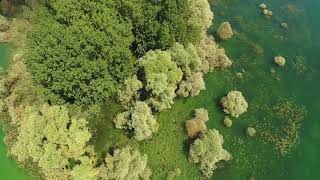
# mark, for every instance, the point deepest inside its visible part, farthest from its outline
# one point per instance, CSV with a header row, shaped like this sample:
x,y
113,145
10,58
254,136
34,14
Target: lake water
x,y
258,39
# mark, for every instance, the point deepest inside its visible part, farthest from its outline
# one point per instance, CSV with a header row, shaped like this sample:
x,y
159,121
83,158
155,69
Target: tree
x,y
225,31
191,64
207,151
201,14
86,170
128,93
50,138
139,119
187,58
126,163
213,57
16,90
234,103
158,24
196,126
79,50
191,86
161,76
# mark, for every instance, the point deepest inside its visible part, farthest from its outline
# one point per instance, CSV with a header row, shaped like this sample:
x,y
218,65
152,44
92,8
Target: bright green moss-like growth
x,y
207,151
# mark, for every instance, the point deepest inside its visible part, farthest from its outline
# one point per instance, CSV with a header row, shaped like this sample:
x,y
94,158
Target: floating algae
x,y
285,135
299,66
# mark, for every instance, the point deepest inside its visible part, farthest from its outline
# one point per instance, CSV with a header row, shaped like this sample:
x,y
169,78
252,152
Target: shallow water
x,y
5,52
255,34
300,39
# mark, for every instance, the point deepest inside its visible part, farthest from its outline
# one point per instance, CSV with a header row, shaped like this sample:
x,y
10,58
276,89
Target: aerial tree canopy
x,y
158,24
50,138
79,50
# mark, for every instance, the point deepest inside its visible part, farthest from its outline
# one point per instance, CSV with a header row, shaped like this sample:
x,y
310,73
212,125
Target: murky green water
x,y
5,52
257,41
297,80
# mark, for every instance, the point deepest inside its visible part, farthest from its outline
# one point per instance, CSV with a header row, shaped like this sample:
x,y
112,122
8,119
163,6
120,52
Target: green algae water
x,y
5,52
256,41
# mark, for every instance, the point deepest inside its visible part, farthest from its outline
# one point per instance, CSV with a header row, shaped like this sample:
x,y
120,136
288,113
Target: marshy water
x,y
256,41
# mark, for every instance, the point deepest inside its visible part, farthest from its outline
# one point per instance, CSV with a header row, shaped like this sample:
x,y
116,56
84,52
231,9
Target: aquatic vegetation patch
x,y
298,65
282,126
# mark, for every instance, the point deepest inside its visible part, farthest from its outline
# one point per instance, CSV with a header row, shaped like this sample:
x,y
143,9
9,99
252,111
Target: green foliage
x,y
128,93
85,170
158,24
201,14
234,103
196,126
139,119
193,67
161,76
50,138
207,151
126,163
214,57
79,50
16,90
187,58
173,174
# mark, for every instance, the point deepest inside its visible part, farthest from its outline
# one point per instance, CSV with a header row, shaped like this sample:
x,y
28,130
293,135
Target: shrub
x,y
234,103
126,163
139,119
207,151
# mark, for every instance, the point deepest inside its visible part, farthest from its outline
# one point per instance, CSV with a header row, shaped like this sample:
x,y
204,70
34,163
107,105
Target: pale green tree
x,y
86,170
157,62
191,86
196,126
225,31
16,90
201,14
50,138
186,58
126,164
234,103
128,93
161,78
138,118
212,56
207,151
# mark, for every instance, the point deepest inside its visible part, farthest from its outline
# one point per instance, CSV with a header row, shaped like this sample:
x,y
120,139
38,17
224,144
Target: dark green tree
x,y
79,50
158,24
